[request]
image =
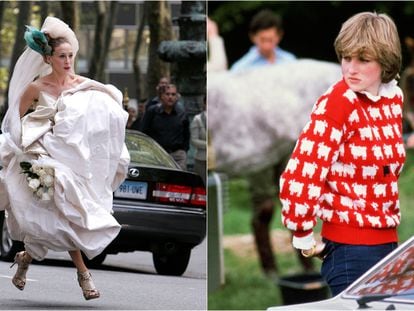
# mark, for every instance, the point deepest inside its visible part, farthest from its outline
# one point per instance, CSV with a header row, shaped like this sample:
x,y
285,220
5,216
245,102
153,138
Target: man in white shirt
x,y
265,32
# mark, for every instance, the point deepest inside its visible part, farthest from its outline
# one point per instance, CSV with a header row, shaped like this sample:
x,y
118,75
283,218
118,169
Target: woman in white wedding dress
x,y
69,131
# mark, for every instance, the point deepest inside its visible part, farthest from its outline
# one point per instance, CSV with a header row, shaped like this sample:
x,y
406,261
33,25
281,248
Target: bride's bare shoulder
x,y
80,79
43,83
33,89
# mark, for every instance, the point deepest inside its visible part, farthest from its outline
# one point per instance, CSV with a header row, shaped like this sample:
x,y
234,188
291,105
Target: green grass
x,y
406,189
237,216
246,287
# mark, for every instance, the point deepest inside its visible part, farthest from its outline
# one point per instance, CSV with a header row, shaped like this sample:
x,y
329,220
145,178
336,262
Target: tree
x,y
1,19
44,10
160,25
22,20
1,13
105,19
70,14
135,61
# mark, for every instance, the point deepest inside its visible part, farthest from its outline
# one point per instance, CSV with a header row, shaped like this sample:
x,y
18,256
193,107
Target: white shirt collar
x,y
388,90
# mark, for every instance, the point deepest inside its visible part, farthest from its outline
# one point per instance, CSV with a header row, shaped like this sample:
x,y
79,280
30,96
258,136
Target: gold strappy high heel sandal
x,y
19,278
88,287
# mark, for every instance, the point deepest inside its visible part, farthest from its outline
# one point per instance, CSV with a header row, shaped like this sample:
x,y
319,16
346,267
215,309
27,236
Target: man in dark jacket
x,y
168,124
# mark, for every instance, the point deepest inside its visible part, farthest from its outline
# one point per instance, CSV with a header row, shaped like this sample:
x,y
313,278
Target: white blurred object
x,y
133,104
217,60
255,118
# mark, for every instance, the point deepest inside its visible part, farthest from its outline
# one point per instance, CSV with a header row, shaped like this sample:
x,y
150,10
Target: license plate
x,y
132,190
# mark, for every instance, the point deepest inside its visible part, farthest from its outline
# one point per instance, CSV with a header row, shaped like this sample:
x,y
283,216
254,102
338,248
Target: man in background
x,y
265,32
164,81
168,124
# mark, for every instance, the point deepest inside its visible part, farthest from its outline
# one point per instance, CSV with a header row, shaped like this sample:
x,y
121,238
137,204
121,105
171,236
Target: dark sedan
x,y
162,209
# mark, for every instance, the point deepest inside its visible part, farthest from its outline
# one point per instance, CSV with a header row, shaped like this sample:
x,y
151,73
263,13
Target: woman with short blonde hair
x,y
372,35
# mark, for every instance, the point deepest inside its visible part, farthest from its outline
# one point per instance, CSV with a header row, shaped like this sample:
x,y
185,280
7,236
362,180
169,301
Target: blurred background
x,y
310,28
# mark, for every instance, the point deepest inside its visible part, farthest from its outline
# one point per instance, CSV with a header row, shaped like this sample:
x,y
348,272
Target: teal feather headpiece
x,y
37,41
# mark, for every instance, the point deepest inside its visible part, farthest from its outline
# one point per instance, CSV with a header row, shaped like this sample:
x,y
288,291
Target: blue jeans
x,y
344,263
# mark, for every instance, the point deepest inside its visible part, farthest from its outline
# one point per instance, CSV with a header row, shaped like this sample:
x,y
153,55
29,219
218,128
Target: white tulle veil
x,y
29,66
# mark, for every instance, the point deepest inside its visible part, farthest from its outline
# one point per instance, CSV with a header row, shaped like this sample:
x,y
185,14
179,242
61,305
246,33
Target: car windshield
x,y
393,276
144,150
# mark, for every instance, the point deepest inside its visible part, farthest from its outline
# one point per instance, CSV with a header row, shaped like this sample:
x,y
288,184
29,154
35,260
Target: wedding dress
x,y
81,135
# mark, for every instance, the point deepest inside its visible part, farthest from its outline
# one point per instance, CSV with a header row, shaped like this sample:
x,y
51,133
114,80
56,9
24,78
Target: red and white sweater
x,y
344,169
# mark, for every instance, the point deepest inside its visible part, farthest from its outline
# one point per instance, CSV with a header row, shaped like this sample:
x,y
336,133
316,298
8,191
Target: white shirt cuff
x,y
305,242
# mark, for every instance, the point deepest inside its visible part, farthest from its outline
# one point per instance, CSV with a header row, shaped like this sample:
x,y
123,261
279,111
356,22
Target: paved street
x,y
127,281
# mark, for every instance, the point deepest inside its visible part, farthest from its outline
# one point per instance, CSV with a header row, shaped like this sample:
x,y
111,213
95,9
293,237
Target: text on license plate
x,y
132,189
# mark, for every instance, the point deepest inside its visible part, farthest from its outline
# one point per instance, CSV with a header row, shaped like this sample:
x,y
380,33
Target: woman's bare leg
x,y
84,277
78,261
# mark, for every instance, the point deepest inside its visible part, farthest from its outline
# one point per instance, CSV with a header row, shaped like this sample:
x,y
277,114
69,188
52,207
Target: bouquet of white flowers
x,y
40,179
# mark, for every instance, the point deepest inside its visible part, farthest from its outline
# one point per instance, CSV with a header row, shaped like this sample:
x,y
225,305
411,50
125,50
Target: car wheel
x,y
95,261
8,247
171,261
